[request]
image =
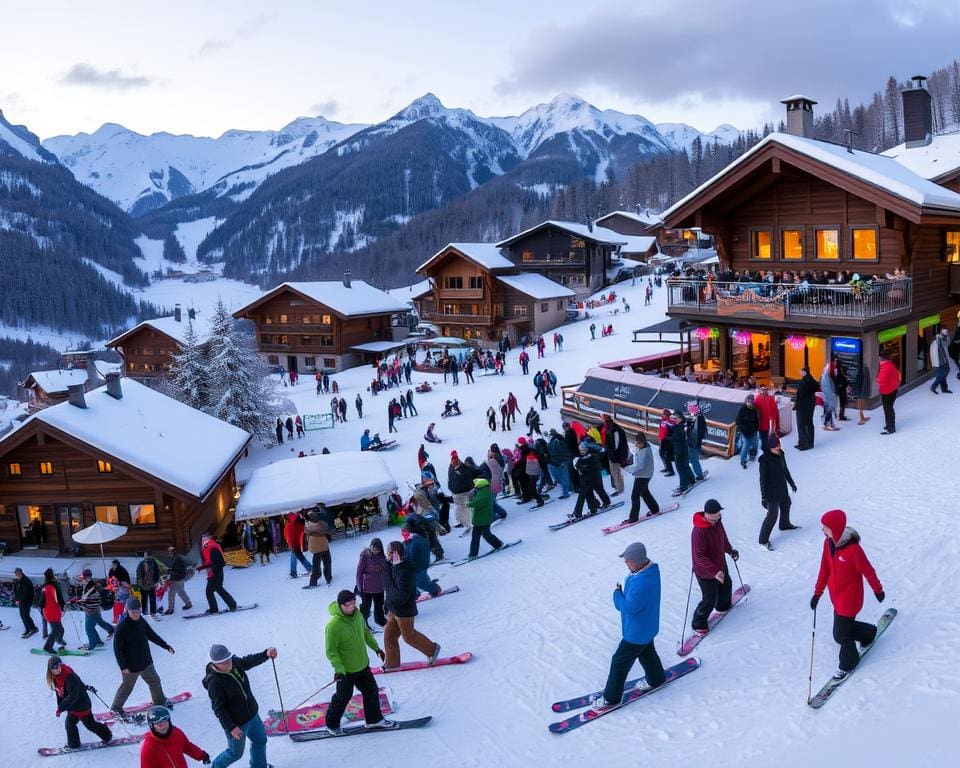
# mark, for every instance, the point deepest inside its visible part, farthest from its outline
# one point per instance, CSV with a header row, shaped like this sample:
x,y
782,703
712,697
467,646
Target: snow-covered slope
x,y
17,140
141,173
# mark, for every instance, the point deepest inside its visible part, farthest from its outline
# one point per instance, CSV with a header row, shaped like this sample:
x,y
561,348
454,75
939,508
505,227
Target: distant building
x,y
148,348
42,389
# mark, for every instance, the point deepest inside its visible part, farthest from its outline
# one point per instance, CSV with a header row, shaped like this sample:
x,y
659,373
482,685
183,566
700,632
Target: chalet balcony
x,y
549,260
460,294
442,317
296,348
291,328
854,305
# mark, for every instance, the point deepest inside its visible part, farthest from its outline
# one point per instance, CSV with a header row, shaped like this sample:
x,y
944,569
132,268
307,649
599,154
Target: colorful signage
x,y
926,322
893,333
842,344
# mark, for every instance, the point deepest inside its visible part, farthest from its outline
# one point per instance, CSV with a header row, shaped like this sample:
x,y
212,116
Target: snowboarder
x,y
843,567
318,546
211,557
638,601
401,606
888,382
165,745
131,647
72,698
709,546
481,507
234,705
774,478
640,466
23,595
371,572
177,575
347,639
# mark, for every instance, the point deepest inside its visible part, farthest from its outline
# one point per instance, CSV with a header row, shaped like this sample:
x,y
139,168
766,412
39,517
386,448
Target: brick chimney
x,y
917,114
176,313
76,395
346,279
113,386
799,116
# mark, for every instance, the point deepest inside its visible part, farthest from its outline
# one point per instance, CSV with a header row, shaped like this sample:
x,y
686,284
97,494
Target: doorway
x,y
292,364
69,521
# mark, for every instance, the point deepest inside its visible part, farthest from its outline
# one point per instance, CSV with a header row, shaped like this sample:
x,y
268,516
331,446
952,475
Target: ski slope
x,y
540,622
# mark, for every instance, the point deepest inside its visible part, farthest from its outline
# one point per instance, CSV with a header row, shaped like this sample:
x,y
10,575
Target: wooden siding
x,y
625,225
148,353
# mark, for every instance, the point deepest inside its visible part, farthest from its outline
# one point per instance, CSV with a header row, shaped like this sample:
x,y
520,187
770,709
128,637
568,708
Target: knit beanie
x,y
345,596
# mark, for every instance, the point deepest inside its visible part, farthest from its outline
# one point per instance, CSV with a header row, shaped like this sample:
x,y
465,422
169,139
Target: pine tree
x,y
189,381
173,251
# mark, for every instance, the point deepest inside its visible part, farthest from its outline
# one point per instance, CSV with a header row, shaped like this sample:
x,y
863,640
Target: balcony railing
x,y
861,301
553,261
445,317
457,294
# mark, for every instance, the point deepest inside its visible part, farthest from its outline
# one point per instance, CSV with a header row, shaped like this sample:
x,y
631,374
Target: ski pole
x,y
687,609
738,573
121,719
813,637
283,712
76,629
312,695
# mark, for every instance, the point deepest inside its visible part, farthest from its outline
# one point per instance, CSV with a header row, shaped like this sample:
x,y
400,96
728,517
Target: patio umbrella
x,y
100,533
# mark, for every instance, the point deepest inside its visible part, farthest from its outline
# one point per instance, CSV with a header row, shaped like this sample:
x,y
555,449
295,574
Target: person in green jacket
x,y
481,517
347,639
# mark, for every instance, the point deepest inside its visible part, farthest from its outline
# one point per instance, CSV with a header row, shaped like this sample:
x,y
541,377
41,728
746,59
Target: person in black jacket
x,y
748,424
460,482
234,705
774,478
806,401
591,483
841,383
176,577
618,449
131,647
573,443
23,595
401,607
73,699
148,576
118,572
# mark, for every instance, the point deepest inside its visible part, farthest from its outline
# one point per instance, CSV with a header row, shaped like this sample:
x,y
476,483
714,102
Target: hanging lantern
x,y
703,334
797,342
742,337
714,333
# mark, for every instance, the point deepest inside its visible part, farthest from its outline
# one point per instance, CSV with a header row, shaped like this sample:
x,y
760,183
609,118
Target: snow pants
x,y
90,723
889,414
215,587
776,508
375,599
714,596
616,476
641,490
175,588
322,565
28,623
462,511
484,532
365,682
847,631
621,663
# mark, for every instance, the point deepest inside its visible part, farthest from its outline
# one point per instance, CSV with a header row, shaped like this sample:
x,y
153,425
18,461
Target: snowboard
x,y
588,516
680,494
409,666
314,717
106,717
220,613
564,726
694,639
506,544
823,695
64,652
118,741
385,446
641,519
399,725
424,596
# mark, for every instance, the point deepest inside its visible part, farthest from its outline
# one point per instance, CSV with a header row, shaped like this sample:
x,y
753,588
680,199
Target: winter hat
x,y
666,412
219,653
133,604
773,442
711,507
836,521
86,573
454,456
521,441
345,596
636,553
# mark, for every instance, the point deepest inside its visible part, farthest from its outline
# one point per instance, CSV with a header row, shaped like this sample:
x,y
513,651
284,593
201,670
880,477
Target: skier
x,y
591,483
774,478
347,639
641,467
843,567
401,606
638,601
165,745
131,647
481,507
709,545
91,603
177,577
23,595
318,545
51,608
72,698
211,557
148,576
371,572
234,705
293,532
618,449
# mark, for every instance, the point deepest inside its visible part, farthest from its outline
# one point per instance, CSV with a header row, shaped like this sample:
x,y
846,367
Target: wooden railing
x,y
442,317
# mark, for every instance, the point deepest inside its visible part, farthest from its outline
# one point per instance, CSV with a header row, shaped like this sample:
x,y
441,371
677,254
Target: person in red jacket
x,y
843,567
766,405
293,533
52,610
888,382
72,698
709,546
165,745
212,561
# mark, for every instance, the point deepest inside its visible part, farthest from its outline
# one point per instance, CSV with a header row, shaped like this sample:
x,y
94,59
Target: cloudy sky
x,y
203,68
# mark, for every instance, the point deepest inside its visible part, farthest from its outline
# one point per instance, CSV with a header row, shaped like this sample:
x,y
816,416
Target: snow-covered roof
x,y
620,264
597,234
938,158
379,346
410,292
360,298
637,243
536,286
797,97
57,382
487,255
169,326
646,218
877,170
290,485
156,434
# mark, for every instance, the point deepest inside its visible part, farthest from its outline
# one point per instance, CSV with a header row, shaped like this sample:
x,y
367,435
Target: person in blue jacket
x,y
638,601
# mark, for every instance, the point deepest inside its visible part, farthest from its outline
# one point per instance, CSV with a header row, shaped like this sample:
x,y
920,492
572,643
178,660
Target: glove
x,y
763,503
813,602
205,758
794,488
880,596
92,689
339,676
381,654
735,555
59,713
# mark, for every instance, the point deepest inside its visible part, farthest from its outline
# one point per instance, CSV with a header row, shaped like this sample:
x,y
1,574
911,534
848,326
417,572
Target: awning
x,y
670,325
290,485
381,346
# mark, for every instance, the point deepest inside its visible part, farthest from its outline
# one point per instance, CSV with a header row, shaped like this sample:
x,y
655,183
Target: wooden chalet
x,y
814,214
42,389
308,326
148,348
124,454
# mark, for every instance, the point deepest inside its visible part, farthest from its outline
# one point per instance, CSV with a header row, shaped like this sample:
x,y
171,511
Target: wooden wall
x,y
136,360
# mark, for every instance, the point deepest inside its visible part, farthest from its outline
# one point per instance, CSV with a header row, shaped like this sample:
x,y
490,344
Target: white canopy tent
x,y
100,533
290,485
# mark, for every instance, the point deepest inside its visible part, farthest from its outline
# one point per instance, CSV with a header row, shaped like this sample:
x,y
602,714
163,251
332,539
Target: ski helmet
x,y
157,715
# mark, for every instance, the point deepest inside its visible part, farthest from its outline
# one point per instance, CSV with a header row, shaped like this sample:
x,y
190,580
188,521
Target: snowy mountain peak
x,y
18,141
426,106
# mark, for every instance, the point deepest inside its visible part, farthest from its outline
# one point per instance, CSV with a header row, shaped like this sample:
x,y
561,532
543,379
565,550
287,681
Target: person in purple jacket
x,y
709,546
638,601
371,569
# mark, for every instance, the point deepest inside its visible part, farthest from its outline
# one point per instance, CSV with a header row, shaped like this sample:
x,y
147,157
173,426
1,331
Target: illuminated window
x,y
307,319
828,244
104,467
107,514
143,514
46,467
527,256
791,244
864,244
131,366
326,320
268,319
952,246
760,244
283,319
284,339
14,469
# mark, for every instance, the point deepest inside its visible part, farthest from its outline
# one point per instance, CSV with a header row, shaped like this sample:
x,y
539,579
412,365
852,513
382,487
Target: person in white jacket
x,y
940,361
641,467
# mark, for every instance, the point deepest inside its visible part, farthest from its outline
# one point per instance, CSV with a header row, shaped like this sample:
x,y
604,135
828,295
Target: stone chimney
x,y
113,386
917,114
799,116
76,395
192,313
176,313
346,279
94,379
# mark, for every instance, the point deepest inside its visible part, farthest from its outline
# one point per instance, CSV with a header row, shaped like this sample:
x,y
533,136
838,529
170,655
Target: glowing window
x,y
107,513
46,467
760,244
865,244
104,467
828,244
143,514
792,244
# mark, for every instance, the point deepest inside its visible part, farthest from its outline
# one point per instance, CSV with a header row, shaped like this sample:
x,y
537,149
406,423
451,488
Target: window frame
x,y
944,256
803,243
104,467
115,507
876,242
14,469
753,232
138,526
476,282
46,468
816,245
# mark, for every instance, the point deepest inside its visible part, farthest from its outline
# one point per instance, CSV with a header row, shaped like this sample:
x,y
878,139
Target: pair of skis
x,y
572,520
629,524
225,612
313,717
